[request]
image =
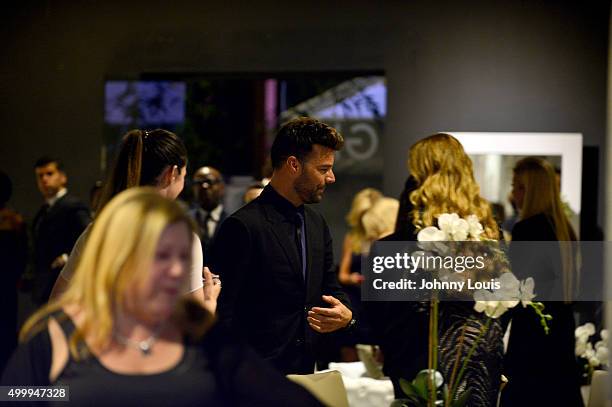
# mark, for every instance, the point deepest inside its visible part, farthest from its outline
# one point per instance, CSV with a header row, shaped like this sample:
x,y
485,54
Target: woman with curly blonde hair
x,y
446,184
441,181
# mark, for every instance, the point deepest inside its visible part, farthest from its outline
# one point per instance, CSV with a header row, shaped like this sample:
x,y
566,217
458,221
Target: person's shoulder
x,y
538,220
191,208
71,201
535,228
399,236
31,361
249,212
313,213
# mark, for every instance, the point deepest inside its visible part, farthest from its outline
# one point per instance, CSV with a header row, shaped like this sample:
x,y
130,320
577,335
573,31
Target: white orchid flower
x,y
604,335
583,332
434,374
593,361
580,333
455,227
487,302
589,328
589,352
474,227
527,294
461,229
445,222
580,348
431,234
509,292
429,239
602,354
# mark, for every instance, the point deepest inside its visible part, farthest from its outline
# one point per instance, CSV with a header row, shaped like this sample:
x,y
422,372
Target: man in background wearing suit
x,y
274,255
207,208
56,227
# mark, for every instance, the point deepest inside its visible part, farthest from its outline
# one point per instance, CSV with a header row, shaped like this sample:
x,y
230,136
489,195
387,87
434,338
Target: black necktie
x,y
300,241
204,225
41,216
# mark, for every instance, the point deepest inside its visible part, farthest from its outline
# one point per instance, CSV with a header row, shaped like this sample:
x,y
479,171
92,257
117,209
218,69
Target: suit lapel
x,y
288,245
55,207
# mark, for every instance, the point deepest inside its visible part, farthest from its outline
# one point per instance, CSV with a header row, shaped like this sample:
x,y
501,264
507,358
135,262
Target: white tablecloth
x,y
363,391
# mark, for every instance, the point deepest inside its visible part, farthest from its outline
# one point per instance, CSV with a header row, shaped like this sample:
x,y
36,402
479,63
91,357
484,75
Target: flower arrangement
x,y
429,387
592,356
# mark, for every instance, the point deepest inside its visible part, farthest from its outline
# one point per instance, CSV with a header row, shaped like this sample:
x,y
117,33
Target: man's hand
x,y
329,319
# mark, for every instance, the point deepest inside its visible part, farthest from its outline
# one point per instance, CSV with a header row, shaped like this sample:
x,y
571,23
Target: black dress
x,y
541,369
218,371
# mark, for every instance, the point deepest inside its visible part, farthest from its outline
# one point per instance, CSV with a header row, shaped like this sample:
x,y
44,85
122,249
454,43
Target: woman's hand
x,y
212,289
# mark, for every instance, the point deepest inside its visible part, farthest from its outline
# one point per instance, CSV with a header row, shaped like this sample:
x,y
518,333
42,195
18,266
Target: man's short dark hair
x,y
45,160
299,135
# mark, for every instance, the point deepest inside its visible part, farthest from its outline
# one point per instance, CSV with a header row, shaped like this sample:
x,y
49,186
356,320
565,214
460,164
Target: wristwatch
x,y
351,325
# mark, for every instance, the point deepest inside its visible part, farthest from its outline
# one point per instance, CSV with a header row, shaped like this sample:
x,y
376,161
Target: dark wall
x,y
463,66
537,66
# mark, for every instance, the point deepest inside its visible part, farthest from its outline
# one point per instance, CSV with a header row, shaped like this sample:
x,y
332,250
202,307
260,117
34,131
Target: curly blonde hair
x,y
379,220
446,184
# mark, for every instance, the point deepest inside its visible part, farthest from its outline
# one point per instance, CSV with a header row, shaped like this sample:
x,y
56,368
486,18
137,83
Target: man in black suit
x,y
274,255
56,227
207,208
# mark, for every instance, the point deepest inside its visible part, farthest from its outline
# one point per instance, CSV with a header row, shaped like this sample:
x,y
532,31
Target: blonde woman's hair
x,y
542,196
118,254
379,220
362,202
446,184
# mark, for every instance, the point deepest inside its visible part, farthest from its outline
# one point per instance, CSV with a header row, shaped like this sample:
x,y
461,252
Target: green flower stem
x,y
538,307
435,331
432,354
468,357
455,365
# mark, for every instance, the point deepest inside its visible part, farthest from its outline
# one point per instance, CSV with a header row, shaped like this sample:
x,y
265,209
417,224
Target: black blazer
x,y
193,212
54,232
264,296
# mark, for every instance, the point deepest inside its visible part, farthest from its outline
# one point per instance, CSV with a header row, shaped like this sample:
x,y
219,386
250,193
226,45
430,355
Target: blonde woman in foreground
x,y
123,334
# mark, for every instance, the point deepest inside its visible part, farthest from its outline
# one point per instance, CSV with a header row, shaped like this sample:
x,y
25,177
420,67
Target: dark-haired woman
x,y
156,158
